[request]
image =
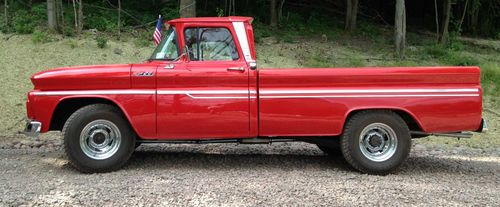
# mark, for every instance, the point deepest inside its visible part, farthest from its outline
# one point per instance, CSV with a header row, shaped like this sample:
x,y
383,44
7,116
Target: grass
x,y
20,58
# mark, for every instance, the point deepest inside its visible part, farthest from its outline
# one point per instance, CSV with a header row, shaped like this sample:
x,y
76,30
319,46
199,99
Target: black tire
x,y
350,141
89,114
332,147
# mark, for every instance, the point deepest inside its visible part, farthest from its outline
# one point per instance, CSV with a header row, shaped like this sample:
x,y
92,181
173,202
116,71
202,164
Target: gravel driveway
x,y
295,174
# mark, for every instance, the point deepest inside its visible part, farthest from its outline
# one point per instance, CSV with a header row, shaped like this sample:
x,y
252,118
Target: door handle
x,y
169,66
241,69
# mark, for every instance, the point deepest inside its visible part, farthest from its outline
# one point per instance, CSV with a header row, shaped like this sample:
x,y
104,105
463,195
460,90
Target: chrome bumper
x,y
32,128
483,127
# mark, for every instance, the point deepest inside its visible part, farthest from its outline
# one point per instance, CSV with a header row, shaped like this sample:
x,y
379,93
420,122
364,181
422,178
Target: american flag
x,y
157,34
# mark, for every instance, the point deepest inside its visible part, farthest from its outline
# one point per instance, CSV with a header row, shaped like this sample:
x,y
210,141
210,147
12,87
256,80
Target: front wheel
x,y
97,138
375,142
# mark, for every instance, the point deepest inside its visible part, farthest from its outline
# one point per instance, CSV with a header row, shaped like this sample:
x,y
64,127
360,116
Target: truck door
x,y
206,96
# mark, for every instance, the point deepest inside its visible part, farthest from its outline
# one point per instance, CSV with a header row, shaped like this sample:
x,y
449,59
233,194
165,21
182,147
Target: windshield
x,y
168,49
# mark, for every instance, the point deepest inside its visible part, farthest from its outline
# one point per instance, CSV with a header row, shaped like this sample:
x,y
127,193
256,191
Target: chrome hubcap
x,y
100,139
378,142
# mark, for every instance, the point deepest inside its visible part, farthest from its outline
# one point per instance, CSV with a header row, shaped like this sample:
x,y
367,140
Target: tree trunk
x,y
80,17
76,16
436,14
351,15
6,13
400,28
348,11
59,10
51,14
187,8
273,14
463,16
443,37
119,17
280,10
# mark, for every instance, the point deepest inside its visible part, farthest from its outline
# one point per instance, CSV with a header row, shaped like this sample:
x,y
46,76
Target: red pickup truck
x,y
202,85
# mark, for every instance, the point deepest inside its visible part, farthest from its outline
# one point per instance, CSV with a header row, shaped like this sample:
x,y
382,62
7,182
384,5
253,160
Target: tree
x,y
6,13
400,28
187,8
351,15
119,17
444,34
60,16
273,13
436,15
78,15
55,15
51,14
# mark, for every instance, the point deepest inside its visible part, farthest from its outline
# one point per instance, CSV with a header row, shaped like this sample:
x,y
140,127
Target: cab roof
x,y
212,19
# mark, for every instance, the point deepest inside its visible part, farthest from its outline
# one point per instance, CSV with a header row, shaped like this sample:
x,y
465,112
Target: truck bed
x,y
307,101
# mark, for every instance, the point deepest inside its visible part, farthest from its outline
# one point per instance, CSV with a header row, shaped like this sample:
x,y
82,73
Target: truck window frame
x,y
177,43
232,35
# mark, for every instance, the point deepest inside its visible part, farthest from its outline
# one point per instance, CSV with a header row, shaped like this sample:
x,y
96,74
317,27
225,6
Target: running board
x,y
453,134
216,141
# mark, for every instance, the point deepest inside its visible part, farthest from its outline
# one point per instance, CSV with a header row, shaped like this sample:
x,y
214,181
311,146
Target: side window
x,y
168,49
205,44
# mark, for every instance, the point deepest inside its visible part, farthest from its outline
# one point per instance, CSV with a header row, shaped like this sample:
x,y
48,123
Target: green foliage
x,y
434,51
103,21
356,62
456,59
170,13
219,11
490,79
317,61
102,41
40,37
72,43
24,22
449,55
261,31
144,39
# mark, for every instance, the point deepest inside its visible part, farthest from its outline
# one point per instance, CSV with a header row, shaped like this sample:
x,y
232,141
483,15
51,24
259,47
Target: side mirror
x,y
252,65
185,50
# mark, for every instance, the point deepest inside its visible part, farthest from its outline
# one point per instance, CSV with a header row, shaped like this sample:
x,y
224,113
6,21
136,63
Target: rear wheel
x,y
97,138
375,142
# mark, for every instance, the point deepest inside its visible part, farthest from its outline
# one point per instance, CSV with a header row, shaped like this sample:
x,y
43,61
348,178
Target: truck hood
x,y
84,77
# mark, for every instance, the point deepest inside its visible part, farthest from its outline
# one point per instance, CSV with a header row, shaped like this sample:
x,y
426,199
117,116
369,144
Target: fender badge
x,y
144,74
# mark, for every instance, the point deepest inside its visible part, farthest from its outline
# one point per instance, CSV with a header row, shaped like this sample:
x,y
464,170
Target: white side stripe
x,y
94,92
173,92
373,96
369,91
244,94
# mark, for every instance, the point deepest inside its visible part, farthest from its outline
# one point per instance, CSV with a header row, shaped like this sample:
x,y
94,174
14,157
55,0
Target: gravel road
x,y
295,174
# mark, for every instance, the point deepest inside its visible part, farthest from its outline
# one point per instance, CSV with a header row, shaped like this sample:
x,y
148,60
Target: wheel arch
x,y
410,119
68,105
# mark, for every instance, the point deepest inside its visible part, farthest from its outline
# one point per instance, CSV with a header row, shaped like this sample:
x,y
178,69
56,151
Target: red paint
x,y
165,112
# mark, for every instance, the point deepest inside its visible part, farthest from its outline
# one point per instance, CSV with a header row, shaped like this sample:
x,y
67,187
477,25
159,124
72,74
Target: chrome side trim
x,y
451,134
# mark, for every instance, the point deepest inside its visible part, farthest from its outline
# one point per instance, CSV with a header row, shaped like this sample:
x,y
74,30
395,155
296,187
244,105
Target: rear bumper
x,y
483,127
33,128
